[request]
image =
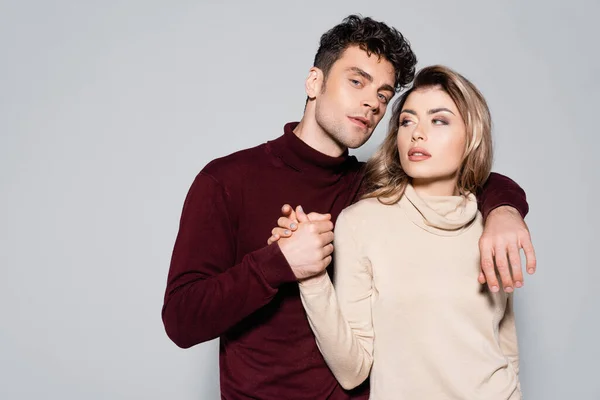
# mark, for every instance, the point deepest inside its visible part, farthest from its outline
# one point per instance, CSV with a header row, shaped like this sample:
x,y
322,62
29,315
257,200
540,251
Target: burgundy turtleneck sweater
x,y
224,282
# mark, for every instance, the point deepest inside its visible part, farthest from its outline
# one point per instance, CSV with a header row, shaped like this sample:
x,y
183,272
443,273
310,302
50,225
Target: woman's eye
x,y
440,122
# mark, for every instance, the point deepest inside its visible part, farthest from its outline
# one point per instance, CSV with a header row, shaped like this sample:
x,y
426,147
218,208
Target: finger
x,y
286,210
322,226
326,261
481,278
327,250
515,265
272,239
487,264
286,223
531,262
302,217
326,237
294,220
313,216
503,269
281,232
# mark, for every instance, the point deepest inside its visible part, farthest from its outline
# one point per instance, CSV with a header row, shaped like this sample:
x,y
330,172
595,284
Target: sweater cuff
x,y
505,198
273,265
315,285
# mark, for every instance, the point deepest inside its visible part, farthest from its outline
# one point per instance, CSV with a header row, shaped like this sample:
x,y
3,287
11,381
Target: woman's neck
x,y
436,186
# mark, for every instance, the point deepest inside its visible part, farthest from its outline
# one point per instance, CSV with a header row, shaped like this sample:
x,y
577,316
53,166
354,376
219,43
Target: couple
x,y
407,308
225,283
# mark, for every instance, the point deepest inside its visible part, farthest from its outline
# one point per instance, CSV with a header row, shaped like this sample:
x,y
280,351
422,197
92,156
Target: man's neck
x,y
313,135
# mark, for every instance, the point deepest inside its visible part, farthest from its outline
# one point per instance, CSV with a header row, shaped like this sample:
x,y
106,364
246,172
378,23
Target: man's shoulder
x,y
237,163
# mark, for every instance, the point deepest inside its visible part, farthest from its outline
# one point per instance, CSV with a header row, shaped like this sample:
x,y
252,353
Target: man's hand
x,y
505,233
309,250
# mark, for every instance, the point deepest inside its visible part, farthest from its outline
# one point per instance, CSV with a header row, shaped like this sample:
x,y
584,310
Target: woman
x,y
407,308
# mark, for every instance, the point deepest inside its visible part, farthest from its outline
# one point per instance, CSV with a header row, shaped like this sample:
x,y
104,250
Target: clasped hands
x,y
308,250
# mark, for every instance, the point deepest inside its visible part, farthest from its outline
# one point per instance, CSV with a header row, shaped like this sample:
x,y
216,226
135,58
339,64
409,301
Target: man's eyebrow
x,y
368,77
388,88
362,73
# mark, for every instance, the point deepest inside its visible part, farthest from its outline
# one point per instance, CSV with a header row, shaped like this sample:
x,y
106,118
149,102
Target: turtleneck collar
x,y
441,215
300,156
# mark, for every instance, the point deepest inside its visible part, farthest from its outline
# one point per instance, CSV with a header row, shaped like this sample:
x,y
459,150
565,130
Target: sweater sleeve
x,y
507,333
500,190
206,293
342,323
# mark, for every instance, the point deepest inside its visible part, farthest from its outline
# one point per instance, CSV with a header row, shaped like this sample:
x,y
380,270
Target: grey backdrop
x,y
109,109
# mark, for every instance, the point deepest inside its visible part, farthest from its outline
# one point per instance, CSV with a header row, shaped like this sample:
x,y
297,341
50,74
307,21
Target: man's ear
x,y
314,82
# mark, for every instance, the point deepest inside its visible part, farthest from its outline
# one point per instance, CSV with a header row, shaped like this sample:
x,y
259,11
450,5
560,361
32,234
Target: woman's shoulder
x,y
368,208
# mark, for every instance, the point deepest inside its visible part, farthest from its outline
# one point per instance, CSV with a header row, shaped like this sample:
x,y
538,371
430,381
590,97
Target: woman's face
x,y
431,141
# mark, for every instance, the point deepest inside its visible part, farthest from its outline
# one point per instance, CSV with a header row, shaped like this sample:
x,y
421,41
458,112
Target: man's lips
x,y
361,121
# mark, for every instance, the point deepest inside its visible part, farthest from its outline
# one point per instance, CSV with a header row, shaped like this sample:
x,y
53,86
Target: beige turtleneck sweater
x,y
407,308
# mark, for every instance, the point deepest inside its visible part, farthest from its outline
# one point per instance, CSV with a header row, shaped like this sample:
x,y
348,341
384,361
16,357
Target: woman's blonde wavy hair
x,y
386,180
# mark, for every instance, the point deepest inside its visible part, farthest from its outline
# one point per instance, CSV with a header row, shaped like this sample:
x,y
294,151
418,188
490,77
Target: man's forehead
x,y
373,64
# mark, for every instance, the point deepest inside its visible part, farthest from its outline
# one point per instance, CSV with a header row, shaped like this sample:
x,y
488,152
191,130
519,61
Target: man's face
x,y
354,97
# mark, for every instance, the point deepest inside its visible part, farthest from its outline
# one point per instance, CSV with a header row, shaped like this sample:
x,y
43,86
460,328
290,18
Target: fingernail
x,y
300,208
287,232
495,289
293,226
519,284
508,289
530,270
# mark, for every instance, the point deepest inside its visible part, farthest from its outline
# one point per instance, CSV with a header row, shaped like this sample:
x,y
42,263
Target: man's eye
x,y
383,98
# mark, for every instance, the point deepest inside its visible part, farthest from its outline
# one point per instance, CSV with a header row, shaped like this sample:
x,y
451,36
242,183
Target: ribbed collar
x,y
441,215
300,156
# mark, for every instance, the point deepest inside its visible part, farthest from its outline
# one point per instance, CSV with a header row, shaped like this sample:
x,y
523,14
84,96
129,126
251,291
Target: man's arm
x,y
206,292
498,191
503,205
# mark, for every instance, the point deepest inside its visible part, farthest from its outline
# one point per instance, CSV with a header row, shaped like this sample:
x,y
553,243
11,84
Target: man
x,y
224,282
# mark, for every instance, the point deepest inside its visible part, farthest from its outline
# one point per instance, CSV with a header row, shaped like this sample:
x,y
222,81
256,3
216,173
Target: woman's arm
x,y
341,318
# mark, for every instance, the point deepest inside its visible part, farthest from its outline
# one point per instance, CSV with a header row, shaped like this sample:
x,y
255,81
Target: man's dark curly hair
x,y
372,36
